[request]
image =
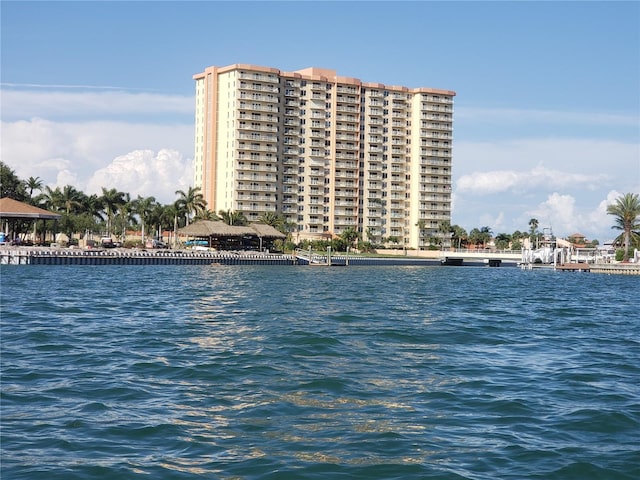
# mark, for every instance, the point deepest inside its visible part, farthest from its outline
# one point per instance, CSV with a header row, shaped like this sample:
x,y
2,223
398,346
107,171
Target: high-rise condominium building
x,y
326,152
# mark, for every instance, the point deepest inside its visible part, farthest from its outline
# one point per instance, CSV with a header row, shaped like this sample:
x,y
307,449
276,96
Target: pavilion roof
x,y
10,208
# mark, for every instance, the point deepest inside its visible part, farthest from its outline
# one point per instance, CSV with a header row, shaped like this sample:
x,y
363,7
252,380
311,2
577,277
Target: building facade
x,y
326,152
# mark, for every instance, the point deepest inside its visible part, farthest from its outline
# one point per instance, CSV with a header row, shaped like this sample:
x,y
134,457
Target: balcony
x,y
257,107
431,161
257,87
343,136
257,97
255,177
346,146
352,165
260,77
345,185
257,168
255,188
254,137
351,100
346,108
252,197
256,148
347,89
257,127
345,194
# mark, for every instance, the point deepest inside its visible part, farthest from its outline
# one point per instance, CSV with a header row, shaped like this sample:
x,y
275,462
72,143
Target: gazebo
x,y
217,234
14,210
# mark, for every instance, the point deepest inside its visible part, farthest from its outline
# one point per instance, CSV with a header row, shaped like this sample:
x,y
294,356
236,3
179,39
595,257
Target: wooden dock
x,y
574,267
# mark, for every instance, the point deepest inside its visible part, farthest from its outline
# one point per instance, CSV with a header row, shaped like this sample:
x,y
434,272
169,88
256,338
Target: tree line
x,y
113,212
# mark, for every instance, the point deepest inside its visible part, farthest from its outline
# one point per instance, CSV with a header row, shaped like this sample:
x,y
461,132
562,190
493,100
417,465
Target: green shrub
x,y
620,254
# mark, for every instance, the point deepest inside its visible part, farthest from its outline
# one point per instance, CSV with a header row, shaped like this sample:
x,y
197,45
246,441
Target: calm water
x,y
187,372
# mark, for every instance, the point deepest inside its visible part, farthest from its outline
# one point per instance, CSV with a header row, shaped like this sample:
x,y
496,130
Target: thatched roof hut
x,y
221,235
210,228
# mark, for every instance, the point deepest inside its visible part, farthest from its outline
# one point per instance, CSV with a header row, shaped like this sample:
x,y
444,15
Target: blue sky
x,y
547,112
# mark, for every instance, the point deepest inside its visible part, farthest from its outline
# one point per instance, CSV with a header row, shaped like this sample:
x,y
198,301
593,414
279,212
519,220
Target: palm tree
x,y
191,202
126,216
444,229
33,184
92,205
480,237
232,218
459,234
502,241
143,207
71,199
276,221
112,200
349,235
51,199
207,215
533,228
626,211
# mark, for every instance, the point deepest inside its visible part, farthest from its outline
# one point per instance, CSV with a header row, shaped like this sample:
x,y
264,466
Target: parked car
x,y
107,242
156,244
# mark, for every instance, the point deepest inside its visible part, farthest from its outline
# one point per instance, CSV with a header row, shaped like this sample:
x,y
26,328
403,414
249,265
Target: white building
x,y
325,151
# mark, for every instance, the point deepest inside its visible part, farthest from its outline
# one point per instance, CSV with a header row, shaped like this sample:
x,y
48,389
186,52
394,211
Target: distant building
x,y
325,151
577,240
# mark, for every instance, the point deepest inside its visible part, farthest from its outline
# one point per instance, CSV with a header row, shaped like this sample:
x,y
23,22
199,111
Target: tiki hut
x,y
219,235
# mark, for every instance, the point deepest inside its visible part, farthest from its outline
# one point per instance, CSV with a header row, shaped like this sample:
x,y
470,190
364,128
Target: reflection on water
x,y
291,372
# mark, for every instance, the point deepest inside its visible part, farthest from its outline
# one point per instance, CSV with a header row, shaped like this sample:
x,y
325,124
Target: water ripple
x,y
288,372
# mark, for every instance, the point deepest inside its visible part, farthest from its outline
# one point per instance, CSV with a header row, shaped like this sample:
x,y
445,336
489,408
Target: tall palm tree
x,y
92,205
71,199
350,235
126,216
459,234
143,207
33,184
444,229
533,228
626,211
191,202
51,199
112,200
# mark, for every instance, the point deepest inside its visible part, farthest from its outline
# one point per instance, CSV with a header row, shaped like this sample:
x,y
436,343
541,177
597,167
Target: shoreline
x,y
16,255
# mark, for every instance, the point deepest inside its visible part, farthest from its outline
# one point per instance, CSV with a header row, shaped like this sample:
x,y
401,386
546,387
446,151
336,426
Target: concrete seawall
x,y
18,256
616,268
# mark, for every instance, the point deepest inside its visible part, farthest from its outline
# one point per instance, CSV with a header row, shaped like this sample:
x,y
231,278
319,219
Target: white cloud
x,y
145,173
47,103
565,217
519,181
42,148
573,155
511,116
